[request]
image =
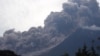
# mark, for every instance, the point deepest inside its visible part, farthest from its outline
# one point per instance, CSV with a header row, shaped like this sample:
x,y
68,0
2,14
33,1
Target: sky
x,y
23,14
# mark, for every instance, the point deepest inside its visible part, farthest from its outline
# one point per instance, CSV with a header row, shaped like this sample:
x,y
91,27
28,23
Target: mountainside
x,y
75,41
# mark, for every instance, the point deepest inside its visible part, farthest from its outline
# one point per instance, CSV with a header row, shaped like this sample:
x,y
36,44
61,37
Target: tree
x,y
83,51
86,52
93,52
79,52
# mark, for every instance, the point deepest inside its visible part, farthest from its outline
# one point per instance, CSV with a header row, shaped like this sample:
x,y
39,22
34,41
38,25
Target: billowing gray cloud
x,y
58,26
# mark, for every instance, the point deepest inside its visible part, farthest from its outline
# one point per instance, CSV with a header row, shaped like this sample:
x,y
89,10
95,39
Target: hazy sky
x,y
23,14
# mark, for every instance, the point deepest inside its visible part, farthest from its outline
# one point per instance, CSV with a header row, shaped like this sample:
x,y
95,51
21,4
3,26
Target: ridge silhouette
x,y
7,53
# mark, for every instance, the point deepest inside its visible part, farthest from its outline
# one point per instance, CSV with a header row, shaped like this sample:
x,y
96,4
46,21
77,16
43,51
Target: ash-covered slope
x,y
76,41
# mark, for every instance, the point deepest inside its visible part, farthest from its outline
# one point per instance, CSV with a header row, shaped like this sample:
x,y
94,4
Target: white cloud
x,y
99,2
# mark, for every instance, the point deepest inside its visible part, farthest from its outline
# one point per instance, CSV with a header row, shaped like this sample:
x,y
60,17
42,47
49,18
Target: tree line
x,y
84,51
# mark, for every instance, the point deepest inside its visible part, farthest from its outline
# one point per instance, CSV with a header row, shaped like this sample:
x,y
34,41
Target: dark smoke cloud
x,y
58,26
